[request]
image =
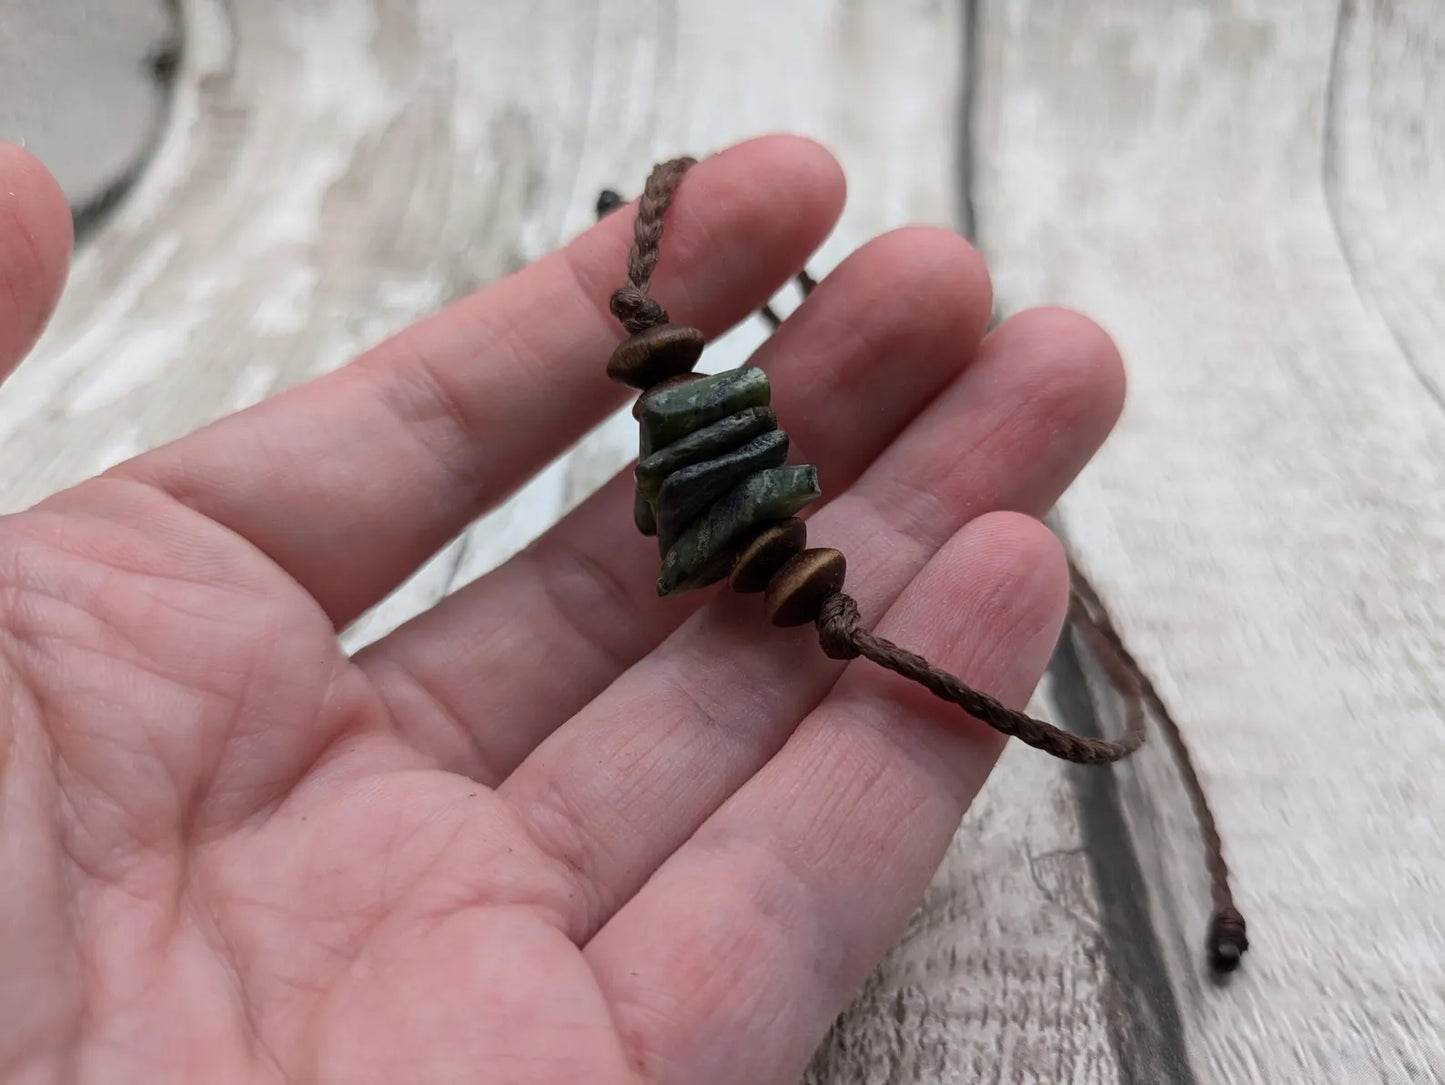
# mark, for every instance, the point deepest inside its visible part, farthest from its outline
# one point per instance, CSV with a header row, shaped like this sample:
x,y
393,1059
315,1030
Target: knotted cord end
x,y
1227,939
837,621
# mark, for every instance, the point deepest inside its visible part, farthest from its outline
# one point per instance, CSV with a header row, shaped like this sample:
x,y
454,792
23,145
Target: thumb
x,y
35,240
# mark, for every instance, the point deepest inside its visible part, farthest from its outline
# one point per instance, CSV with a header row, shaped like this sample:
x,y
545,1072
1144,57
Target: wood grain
x,y
1385,170
1268,524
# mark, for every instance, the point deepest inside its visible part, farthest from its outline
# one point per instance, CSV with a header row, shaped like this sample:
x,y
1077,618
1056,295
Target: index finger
x,y
350,482
35,237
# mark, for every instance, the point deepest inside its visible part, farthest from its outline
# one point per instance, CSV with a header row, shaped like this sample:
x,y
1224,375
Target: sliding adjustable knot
x,y
714,487
837,622
637,311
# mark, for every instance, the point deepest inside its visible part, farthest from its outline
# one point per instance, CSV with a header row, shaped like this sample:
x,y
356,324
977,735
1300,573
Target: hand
x,y
554,829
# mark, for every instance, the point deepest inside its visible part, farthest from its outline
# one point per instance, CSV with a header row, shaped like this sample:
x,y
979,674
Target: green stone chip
x,y
702,553
711,441
673,412
687,493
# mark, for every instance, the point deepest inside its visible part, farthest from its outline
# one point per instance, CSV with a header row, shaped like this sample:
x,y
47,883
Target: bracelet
x,y
714,487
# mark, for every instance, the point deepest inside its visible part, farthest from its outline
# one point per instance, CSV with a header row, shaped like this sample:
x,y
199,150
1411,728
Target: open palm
x,y
554,829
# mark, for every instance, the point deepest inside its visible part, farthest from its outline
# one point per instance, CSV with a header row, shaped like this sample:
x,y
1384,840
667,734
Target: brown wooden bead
x,y
653,355
681,378
798,589
767,552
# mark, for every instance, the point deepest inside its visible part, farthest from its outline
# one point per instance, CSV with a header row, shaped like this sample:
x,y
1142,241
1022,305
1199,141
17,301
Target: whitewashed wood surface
x,y
82,87
1247,194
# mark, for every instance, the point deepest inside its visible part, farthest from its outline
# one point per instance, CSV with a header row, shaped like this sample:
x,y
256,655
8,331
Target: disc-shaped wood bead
x,y
797,591
641,360
767,552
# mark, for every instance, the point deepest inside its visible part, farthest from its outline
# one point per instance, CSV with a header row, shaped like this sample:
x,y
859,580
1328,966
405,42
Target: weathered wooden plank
x,y
1268,525
82,86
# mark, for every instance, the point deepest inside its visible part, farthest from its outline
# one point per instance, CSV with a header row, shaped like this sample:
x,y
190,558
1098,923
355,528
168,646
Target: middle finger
x,y
483,677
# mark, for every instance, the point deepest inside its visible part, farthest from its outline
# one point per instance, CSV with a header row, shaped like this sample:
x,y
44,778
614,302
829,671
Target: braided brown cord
x,y
842,637
1227,938
631,303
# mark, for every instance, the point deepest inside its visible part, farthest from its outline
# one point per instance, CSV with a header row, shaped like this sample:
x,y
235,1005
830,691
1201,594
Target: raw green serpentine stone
x,y
674,412
642,514
688,492
731,432
703,553
691,491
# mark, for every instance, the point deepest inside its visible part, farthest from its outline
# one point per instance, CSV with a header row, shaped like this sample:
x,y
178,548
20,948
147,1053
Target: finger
x,y
873,344
620,787
733,959
351,481
35,240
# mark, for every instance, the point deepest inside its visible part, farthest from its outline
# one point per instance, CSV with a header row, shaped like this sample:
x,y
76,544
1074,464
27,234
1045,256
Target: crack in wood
x,y
967,103
1145,1027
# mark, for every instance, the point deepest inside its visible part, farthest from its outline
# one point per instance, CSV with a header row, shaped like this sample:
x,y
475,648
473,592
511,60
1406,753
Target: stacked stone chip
x,y
713,481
